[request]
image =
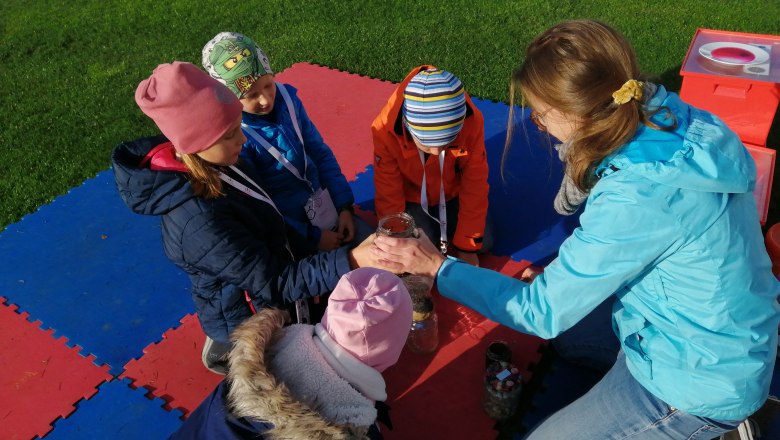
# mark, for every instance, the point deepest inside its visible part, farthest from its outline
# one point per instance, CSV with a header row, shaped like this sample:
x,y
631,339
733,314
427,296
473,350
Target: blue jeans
x,y
617,407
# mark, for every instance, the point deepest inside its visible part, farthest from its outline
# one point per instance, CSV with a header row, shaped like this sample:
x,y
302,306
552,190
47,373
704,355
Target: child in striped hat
x,y
430,134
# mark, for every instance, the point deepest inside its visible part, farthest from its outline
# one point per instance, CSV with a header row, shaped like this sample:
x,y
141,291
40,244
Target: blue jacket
x,y
226,245
287,191
671,230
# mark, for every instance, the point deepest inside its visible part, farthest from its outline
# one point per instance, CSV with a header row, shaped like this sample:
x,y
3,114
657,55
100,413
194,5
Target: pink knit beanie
x,y
191,109
369,314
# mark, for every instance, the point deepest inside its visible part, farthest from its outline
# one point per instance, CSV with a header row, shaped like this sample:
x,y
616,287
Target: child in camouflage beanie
x,y
300,172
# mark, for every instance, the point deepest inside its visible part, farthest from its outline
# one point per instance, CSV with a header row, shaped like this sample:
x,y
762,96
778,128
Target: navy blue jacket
x,y
212,420
226,245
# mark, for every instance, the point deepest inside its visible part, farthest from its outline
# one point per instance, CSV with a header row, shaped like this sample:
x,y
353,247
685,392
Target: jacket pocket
x,y
657,285
631,328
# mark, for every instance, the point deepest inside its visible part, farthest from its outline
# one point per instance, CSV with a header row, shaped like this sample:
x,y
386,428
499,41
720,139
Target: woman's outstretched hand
x,y
408,255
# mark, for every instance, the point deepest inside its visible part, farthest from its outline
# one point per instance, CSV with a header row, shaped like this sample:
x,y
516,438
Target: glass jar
x,y
400,225
498,351
424,334
418,285
503,385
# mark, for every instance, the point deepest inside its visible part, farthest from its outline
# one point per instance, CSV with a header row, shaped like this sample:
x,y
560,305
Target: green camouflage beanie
x,y
235,60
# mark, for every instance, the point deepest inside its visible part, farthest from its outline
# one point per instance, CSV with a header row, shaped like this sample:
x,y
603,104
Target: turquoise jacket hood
x,y
699,154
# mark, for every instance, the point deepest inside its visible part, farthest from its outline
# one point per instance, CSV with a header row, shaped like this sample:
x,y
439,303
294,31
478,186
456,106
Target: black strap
x,y
383,414
611,167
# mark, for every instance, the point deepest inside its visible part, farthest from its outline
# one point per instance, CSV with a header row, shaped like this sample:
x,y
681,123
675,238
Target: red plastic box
x,y
765,166
735,76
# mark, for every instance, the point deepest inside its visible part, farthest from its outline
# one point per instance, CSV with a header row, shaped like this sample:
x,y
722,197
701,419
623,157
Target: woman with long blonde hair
x,y
669,246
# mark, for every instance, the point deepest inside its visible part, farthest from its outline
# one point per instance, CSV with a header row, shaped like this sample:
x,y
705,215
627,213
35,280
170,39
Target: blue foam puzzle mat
x,y
118,412
363,189
95,272
525,223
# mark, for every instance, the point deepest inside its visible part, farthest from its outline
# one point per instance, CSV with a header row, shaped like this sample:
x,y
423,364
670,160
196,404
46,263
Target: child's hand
x,y
361,255
346,226
329,240
529,273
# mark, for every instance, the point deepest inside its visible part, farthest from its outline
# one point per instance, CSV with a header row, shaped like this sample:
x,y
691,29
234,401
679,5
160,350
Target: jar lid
x,y
420,316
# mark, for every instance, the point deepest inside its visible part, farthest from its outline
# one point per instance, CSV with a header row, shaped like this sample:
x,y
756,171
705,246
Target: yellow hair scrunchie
x,y
632,89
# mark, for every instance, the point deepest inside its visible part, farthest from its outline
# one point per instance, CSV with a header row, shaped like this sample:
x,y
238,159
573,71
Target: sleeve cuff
x,y
342,261
466,244
450,260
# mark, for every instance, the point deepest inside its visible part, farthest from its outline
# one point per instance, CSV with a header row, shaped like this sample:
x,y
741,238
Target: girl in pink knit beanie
x,y
311,382
217,222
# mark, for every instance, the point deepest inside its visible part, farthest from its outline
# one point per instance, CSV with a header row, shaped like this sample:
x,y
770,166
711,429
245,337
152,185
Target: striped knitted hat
x,y
434,107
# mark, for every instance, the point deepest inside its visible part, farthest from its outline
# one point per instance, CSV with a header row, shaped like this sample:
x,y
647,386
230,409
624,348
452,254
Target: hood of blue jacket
x,y
145,191
704,161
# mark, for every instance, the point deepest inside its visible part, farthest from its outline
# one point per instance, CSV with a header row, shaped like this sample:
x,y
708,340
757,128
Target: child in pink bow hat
x,y
311,381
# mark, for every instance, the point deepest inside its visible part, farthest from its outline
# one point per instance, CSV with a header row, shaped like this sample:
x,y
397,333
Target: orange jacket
x,y
398,171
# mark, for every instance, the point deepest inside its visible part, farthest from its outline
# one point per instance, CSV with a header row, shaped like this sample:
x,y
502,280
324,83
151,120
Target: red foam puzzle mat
x,y
172,369
41,378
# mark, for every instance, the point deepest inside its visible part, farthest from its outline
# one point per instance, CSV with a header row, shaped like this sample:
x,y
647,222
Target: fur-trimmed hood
x,y
255,393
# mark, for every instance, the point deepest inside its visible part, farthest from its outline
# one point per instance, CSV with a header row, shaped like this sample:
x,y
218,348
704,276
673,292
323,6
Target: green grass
x,y
69,69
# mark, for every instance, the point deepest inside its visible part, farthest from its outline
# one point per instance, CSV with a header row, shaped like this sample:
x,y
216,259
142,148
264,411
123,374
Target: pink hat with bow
x,y
369,314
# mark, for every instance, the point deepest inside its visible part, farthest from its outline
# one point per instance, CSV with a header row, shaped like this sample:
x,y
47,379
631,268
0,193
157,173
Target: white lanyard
x,y
291,110
442,220
273,151
247,190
